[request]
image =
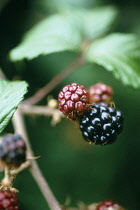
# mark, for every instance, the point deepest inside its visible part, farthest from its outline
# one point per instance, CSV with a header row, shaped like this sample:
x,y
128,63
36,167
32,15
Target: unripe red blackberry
x,y
12,150
8,200
100,92
73,100
108,205
101,124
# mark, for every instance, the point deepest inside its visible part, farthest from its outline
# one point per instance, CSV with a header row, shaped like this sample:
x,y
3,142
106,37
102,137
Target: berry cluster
x,y
101,124
8,200
108,205
100,92
73,100
12,150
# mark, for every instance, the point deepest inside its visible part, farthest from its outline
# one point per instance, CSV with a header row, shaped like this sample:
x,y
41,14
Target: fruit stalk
x,y
39,110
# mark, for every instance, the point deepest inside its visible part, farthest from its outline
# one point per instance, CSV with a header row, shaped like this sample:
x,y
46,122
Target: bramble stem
x,y
18,123
39,110
55,81
19,126
25,165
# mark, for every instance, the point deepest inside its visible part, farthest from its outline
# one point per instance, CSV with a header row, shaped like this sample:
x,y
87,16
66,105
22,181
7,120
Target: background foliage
x,y
71,166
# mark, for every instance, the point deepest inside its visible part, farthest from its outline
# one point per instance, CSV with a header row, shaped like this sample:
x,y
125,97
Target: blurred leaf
x,y
11,93
3,3
55,4
119,53
64,32
93,22
53,34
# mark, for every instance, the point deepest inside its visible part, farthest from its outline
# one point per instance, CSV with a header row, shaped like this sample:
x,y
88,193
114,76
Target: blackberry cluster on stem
x,y
12,150
12,155
99,122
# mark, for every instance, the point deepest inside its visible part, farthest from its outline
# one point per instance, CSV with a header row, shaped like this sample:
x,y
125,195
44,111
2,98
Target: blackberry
x,y
12,150
8,200
101,124
73,100
100,92
106,205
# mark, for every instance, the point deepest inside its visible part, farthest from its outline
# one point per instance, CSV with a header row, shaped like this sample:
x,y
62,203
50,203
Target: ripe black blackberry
x,y
100,92
12,150
101,124
73,100
106,205
8,200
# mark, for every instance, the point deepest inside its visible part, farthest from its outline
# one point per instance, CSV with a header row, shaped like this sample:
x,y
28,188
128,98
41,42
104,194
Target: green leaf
x,y
55,4
11,93
64,32
93,22
53,34
119,53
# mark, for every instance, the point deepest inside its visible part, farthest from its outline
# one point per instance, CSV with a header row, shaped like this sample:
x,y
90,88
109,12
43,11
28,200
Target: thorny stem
x,y
18,123
54,82
25,165
19,126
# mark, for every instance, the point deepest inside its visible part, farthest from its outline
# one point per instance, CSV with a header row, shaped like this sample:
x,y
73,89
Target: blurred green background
x,y
71,166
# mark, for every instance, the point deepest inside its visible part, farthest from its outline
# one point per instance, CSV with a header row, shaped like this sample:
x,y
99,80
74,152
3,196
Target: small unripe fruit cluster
x,y
101,124
108,205
8,200
100,92
12,150
73,100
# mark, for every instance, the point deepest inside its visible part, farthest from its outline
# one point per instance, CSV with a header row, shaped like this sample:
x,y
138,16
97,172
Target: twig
x,y
54,82
25,165
18,123
39,110
19,127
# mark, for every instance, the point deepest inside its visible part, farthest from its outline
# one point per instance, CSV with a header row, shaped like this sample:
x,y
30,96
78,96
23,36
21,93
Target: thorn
x,y
14,190
33,158
105,143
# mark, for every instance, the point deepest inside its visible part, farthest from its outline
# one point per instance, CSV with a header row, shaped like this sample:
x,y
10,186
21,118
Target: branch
x,y
18,123
39,110
54,82
25,165
19,127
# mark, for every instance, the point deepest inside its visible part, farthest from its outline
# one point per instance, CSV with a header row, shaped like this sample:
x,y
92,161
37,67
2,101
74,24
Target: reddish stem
x,y
54,82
